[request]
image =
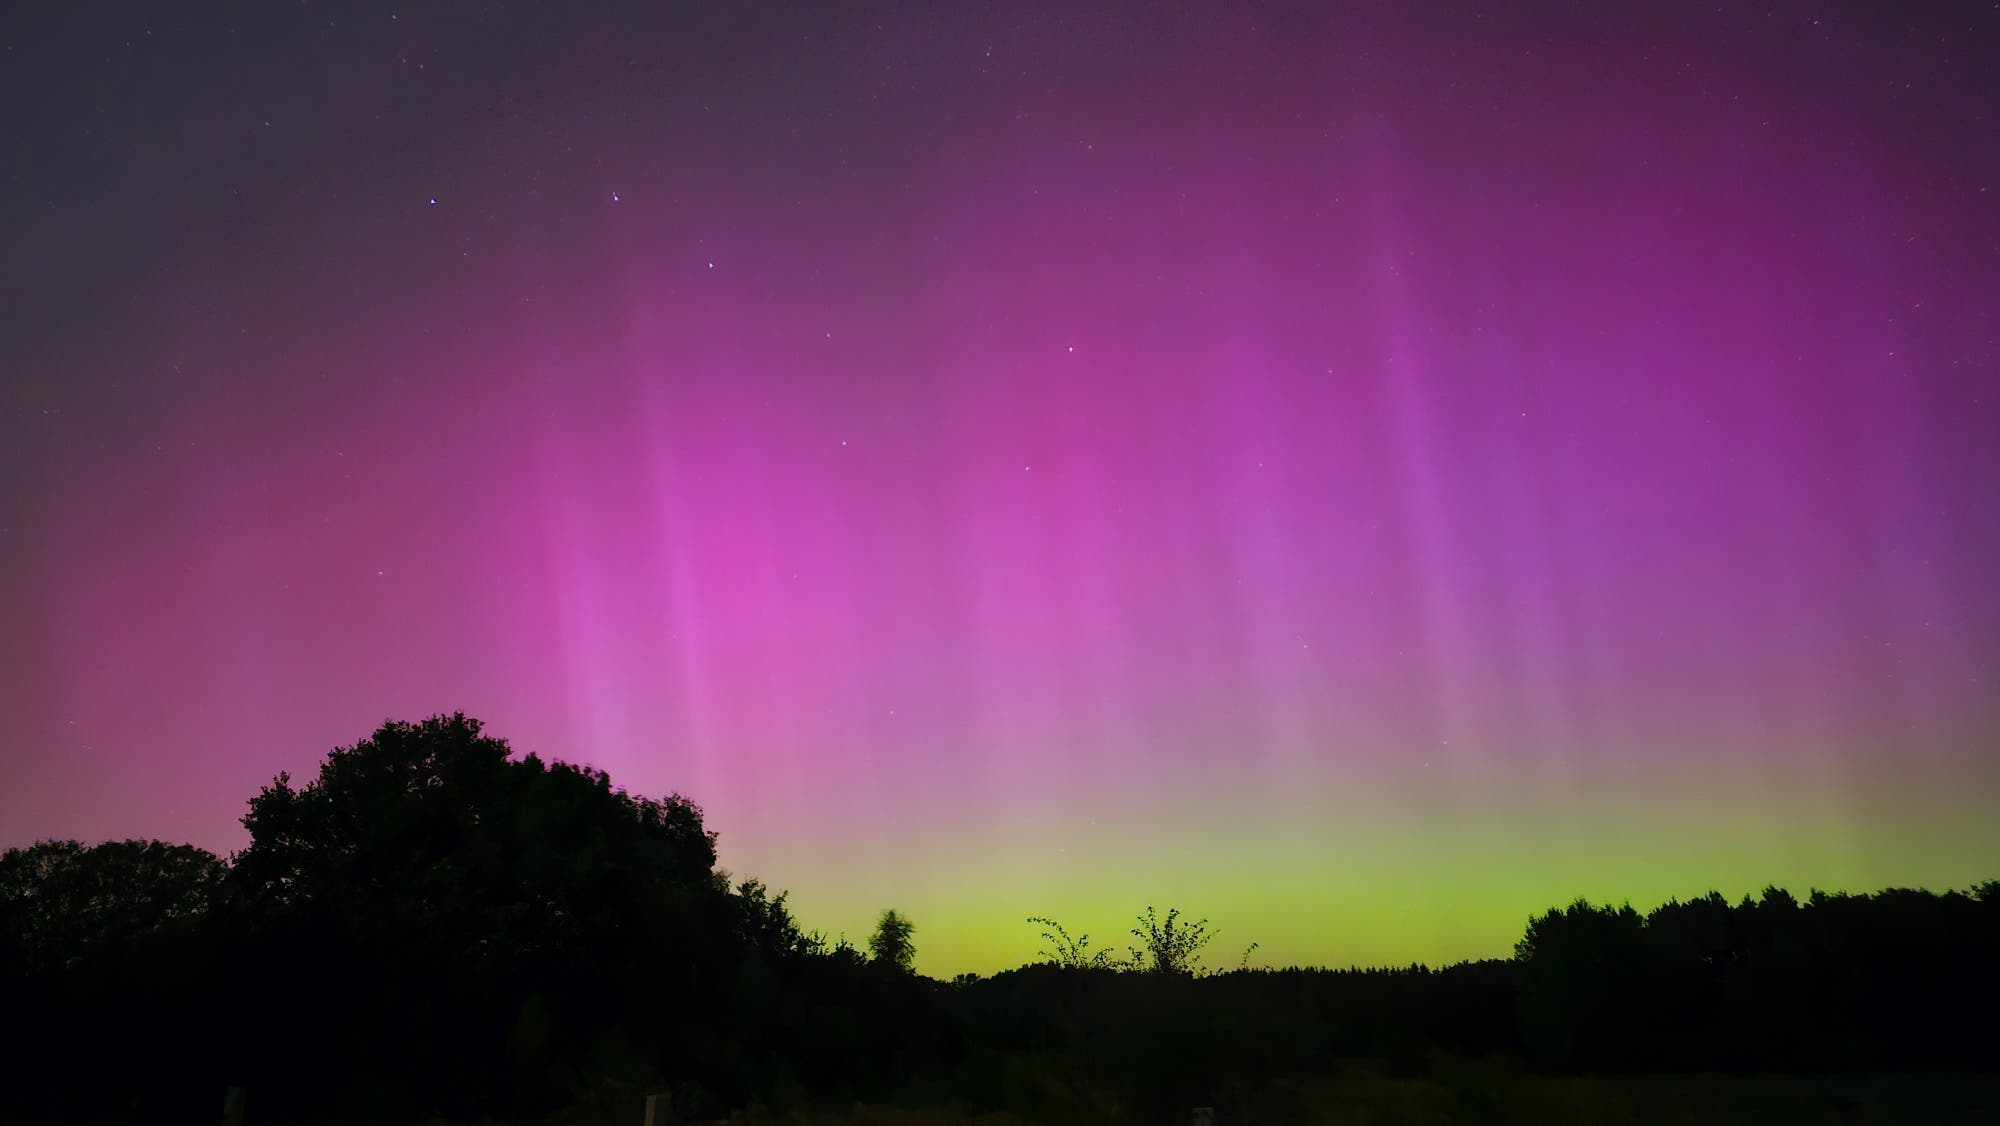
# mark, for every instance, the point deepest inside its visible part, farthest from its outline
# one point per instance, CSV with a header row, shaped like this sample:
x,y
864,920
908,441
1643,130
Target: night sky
x,y
1360,472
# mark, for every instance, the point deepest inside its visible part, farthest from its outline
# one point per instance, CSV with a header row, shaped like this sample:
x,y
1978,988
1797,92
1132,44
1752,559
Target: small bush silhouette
x,y
1171,946
1073,953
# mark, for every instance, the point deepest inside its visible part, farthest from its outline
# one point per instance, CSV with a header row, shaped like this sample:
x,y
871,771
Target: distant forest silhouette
x,y
433,926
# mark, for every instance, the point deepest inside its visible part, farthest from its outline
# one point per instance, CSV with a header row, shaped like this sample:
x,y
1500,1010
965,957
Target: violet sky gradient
x,y
1362,472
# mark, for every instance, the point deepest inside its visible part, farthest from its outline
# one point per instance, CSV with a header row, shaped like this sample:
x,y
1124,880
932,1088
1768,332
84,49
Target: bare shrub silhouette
x,y
1170,946
1074,953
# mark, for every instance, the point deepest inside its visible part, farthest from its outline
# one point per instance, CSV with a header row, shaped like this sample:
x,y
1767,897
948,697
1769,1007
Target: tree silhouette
x,y
499,905
431,827
99,946
434,927
63,904
891,943
765,924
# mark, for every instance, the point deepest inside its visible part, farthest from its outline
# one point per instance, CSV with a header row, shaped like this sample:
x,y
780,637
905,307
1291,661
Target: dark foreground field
x,y
437,930
1465,1093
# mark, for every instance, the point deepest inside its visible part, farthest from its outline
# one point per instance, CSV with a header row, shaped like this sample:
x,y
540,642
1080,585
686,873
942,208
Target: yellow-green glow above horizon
x,y
1387,873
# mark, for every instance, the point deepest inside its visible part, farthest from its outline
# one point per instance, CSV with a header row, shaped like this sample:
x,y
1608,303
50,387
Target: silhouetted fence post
x,y
232,1105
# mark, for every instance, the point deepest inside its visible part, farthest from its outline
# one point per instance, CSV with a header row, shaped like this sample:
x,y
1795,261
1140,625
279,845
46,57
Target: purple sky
x,y
1361,472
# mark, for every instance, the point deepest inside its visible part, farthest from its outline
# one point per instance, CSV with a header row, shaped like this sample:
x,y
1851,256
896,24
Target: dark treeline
x,y
433,927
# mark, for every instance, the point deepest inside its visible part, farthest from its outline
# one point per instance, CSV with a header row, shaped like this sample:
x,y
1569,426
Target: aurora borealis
x,y
1358,472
